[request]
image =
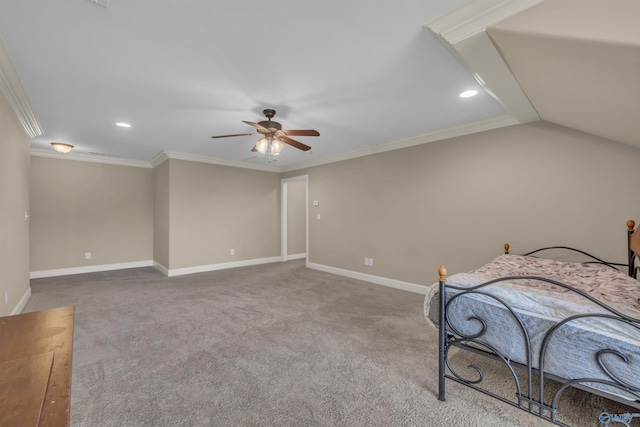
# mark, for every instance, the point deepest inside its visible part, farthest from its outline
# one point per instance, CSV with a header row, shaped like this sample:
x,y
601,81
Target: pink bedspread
x,y
608,285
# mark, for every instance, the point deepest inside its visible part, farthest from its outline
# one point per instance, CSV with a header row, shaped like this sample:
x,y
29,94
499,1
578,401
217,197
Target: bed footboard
x,y
442,333
616,363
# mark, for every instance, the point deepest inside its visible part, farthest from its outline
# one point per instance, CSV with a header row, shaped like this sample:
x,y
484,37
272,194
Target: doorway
x,y
294,214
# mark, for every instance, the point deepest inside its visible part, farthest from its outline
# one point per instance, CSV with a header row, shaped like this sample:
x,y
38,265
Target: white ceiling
x,y
365,74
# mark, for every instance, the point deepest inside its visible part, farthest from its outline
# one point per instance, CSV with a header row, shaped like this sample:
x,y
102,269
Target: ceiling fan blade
x,y
307,132
236,134
294,143
257,126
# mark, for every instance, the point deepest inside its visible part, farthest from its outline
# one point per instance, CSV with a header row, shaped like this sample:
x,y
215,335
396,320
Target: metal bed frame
x,y
525,399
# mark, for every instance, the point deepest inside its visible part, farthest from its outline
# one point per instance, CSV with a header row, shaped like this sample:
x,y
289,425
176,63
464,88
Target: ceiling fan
x,y
273,136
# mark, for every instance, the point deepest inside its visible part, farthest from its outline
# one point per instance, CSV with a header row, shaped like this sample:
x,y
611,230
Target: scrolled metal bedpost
x,y
506,249
442,330
630,226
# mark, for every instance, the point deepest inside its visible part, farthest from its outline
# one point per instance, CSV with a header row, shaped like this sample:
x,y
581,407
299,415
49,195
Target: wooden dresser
x,y
35,368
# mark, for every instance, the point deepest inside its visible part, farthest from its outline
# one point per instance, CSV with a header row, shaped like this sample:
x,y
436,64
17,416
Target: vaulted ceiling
x,y
579,63
368,75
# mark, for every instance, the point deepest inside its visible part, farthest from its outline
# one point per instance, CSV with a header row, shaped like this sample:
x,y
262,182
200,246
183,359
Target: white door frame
x,y
283,214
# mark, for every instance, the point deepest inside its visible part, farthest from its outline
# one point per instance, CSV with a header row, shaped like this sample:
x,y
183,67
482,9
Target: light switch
x,y
318,216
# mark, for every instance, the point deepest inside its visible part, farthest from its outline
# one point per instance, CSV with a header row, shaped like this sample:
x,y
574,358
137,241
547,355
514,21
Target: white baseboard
x,y
88,269
213,267
161,268
378,280
23,301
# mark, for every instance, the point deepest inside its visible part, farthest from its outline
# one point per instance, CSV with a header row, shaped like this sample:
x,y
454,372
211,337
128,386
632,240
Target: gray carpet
x,y
270,345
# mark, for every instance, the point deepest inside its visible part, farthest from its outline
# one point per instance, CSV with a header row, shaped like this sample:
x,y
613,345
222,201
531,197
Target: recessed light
x,y
468,93
123,125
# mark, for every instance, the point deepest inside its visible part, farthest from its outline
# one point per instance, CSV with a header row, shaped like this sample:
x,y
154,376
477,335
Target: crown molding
x,y
12,90
93,158
160,158
476,16
211,160
157,160
463,33
451,132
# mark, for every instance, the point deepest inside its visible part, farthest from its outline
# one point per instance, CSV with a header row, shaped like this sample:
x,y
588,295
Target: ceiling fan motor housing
x,y
273,132
272,126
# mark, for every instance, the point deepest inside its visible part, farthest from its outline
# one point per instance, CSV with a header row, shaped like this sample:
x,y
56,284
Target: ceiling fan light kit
x,y
271,146
273,136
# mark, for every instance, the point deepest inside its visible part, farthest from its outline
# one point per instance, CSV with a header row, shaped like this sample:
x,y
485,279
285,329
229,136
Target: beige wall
x,y
296,219
456,202
14,202
161,219
79,207
214,209
453,202
180,214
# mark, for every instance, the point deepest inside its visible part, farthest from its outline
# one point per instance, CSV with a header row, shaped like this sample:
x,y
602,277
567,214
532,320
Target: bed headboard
x,y
634,248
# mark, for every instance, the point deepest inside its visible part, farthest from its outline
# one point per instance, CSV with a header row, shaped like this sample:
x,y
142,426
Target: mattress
x,y
571,353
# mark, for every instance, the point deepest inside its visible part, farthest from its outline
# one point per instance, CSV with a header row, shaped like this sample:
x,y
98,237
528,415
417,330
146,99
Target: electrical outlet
x,y
370,262
366,261
6,297
232,252
87,255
